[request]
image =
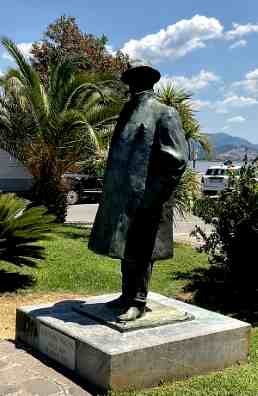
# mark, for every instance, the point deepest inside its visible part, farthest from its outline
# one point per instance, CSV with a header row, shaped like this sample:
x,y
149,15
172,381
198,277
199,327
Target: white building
x,y
13,175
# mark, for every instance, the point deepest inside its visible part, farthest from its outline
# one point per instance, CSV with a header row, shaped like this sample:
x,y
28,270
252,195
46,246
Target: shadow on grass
x,y
12,281
212,288
78,232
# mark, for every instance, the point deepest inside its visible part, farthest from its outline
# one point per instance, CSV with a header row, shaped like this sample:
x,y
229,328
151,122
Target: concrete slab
x,y
138,358
25,375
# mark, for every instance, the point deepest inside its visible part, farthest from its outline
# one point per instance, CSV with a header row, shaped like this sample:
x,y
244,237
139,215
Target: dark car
x,y
82,188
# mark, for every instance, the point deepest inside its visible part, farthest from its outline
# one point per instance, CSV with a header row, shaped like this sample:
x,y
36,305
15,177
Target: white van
x,y
216,178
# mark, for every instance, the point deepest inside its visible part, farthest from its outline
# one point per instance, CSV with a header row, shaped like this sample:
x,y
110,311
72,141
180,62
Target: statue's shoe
x,y
132,313
119,303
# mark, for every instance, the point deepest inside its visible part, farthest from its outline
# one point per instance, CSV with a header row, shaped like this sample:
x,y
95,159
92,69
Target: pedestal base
x,y
141,357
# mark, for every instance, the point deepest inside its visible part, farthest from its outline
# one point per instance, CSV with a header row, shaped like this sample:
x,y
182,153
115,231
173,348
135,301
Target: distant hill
x,y
229,147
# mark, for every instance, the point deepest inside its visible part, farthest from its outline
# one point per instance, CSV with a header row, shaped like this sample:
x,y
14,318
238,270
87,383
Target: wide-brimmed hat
x,y
140,67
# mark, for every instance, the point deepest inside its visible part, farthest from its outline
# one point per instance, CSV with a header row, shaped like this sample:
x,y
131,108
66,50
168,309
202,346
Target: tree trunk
x,y
49,191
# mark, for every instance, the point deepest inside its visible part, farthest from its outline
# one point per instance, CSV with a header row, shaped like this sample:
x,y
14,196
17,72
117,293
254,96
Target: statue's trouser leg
x,y
136,275
137,264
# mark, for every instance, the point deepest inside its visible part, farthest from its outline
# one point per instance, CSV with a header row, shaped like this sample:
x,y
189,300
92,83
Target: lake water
x,y
202,166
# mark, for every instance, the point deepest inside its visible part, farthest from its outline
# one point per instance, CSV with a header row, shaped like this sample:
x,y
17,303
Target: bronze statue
x,y
148,155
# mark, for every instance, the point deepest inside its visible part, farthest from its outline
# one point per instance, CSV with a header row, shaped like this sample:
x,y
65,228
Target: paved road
x,y
81,213
26,374
86,213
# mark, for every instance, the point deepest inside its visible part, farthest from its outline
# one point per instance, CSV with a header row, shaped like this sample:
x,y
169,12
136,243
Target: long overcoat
x,y
147,156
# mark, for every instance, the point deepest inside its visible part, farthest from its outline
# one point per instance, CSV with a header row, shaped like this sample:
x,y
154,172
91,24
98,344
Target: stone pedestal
x,y
184,340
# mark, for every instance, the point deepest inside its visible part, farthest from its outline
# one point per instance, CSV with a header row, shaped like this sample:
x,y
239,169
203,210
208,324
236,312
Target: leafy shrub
x,y
233,242
21,229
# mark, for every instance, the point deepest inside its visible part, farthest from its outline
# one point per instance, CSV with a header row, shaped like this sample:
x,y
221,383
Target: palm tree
x,y
57,128
181,101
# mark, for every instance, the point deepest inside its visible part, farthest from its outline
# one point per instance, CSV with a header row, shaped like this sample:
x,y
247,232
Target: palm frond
x,y
29,78
21,230
82,90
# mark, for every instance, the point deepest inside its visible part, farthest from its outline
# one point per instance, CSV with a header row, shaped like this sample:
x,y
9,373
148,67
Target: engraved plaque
x,y
57,346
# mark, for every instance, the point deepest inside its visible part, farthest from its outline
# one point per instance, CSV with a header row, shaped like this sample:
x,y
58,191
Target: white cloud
x,y
186,35
249,84
191,84
25,48
252,75
239,31
176,40
226,105
110,50
237,120
199,104
238,44
234,102
1,73
240,101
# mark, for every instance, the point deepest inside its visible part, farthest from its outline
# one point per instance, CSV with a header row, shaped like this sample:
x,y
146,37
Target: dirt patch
x,y
186,297
9,303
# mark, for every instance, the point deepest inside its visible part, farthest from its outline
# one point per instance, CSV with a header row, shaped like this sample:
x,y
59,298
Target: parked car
x,y
217,176
82,188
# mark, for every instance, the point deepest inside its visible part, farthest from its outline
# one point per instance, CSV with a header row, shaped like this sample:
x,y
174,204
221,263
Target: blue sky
x,y
207,47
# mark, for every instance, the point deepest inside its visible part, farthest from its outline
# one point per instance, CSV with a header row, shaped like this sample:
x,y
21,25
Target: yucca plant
x,y
182,200
188,190
21,229
181,101
189,187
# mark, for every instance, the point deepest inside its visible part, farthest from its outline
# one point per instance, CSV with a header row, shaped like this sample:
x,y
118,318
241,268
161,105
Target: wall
x,y
13,175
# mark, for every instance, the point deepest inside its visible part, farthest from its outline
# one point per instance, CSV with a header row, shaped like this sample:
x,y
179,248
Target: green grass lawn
x,y
71,267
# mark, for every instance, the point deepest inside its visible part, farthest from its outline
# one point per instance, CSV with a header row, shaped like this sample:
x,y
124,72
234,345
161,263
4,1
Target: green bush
x,y
234,216
21,229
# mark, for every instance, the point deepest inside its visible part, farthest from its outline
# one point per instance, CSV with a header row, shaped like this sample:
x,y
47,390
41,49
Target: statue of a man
x,y
148,155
